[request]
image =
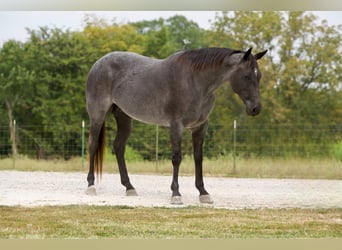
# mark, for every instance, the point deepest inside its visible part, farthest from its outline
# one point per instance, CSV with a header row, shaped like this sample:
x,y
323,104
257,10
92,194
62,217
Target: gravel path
x,y
32,189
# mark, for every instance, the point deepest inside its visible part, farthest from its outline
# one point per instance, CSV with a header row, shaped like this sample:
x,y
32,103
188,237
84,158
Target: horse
x,y
175,92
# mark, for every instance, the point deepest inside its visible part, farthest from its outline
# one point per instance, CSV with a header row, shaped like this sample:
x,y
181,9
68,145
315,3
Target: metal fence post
x,y
234,148
157,146
14,143
83,125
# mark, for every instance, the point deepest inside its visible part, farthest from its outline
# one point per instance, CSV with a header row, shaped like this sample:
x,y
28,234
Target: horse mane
x,y
202,59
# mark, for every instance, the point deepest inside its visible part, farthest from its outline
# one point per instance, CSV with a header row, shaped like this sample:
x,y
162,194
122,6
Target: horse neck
x,y
211,79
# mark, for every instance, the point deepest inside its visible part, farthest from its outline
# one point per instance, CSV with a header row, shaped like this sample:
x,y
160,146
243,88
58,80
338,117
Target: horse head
x,y
245,77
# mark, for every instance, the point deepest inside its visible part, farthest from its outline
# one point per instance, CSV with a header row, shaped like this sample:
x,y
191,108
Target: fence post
x,y
14,143
157,146
234,148
83,125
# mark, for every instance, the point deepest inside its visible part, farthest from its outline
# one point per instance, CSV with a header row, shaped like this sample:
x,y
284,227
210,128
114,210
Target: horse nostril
x,y
256,110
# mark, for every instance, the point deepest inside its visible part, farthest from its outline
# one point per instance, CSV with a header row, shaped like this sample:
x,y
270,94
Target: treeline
x,y
42,80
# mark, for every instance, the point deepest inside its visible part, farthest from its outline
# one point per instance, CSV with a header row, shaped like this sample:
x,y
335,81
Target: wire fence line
x,y
149,142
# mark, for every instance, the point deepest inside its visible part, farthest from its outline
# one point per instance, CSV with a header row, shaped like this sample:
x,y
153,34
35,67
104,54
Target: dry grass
x,y
191,222
28,164
251,168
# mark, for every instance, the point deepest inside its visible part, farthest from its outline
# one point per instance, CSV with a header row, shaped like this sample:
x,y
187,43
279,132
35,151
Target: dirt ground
x,y
32,189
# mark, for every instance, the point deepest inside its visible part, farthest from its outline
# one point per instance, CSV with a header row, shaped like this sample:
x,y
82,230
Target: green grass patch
x,y
245,168
171,223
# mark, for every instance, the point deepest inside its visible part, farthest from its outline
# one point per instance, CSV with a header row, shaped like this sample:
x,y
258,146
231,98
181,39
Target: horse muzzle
x,y
253,109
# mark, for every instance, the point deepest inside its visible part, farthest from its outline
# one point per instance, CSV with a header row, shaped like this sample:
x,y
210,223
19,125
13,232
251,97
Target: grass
x,y
191,223
245,168
28,164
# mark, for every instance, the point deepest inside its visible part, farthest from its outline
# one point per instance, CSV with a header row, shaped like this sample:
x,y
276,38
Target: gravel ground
x,y
32,189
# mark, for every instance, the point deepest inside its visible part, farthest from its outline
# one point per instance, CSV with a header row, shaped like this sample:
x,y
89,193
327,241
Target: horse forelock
x,y
202,59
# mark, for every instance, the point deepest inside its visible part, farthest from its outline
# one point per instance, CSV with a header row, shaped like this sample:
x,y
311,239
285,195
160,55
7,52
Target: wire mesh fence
x,y
149,142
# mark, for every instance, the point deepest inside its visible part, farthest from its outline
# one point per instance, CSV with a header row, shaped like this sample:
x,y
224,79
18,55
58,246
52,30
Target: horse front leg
x,y
176,131
198,135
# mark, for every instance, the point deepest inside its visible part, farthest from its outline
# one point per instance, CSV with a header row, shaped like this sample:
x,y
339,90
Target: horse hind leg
x,y
96,140
124,127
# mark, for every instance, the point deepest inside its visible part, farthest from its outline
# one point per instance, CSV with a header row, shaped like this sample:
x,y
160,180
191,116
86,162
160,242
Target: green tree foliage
x,y
164,37
310,73
15,80
58,64
104,37
301,74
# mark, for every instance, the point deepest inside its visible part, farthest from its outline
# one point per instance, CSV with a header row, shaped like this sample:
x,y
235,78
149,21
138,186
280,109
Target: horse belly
x,y
144,106
149,115
151,119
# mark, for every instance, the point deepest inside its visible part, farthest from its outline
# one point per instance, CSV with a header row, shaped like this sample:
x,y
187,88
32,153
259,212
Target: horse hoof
x,y
176,200
206,199
131,192
91,190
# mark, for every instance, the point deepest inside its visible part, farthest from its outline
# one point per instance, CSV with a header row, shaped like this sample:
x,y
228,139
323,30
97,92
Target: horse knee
x,y
116,146
119,144
176,159
119,148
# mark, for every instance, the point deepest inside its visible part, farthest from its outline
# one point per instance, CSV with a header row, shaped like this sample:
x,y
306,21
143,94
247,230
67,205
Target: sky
x,y
13,23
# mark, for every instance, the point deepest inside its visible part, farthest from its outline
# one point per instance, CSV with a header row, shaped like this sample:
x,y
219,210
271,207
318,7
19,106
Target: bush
x,y
337,151
130,155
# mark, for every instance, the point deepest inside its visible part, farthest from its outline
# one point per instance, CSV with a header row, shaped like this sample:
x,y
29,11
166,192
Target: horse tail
x,y
98,159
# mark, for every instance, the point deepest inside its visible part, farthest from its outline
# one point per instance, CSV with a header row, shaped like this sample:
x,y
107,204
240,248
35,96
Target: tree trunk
x,y
10,107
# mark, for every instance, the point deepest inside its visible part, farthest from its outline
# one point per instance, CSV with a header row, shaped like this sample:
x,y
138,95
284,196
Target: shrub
x,y
337,150
130,155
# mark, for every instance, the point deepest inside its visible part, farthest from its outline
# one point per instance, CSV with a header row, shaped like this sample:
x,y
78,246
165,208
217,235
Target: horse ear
x,y
260,55
247,54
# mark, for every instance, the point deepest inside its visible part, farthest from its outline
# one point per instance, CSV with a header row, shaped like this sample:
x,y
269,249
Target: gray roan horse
x,y
176,92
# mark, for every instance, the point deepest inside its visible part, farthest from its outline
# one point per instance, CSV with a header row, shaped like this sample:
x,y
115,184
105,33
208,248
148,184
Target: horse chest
x,y
200,112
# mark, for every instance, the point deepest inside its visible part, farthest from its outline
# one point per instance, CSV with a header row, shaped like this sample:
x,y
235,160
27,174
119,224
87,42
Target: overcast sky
x,y
13,23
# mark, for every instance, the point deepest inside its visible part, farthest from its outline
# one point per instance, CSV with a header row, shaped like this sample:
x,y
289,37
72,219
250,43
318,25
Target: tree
x,y
104,37
310,67
185,33
301,72
15,81
60,62
164,37
245,29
